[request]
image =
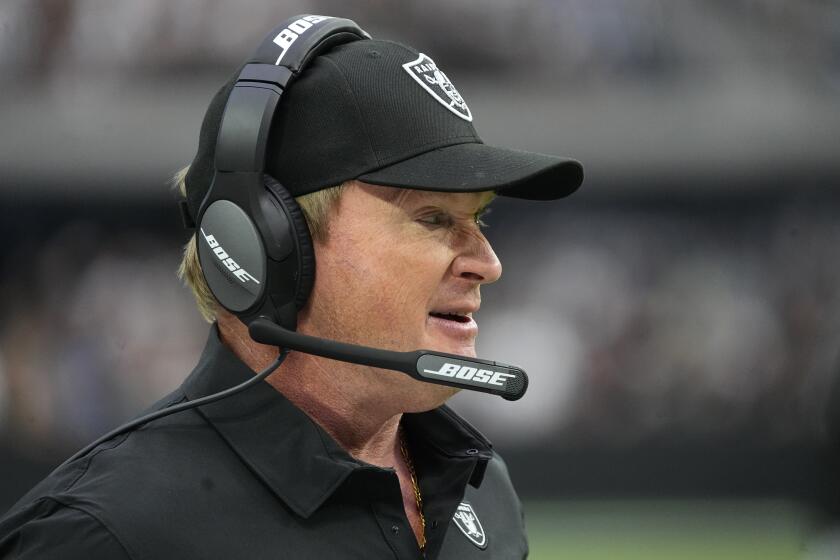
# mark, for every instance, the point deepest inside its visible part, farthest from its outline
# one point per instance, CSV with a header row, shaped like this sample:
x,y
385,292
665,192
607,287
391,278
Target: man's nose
x,y
478,262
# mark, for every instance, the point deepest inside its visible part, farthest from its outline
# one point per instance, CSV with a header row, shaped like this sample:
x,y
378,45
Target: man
x,y
327,459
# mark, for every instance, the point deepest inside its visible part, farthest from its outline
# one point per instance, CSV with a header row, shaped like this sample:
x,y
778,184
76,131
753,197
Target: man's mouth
x,y
454,321
452,316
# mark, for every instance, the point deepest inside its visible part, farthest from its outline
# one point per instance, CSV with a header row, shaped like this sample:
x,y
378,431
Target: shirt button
x,y
395,529
434,524
472,451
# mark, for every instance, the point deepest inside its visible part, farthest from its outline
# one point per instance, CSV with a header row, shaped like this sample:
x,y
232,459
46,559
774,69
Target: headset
x,y
254,245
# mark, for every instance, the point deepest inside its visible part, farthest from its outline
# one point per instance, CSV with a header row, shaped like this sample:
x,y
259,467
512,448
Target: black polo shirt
x,y
252,476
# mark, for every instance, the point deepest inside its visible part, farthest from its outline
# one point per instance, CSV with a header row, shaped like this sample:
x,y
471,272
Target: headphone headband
x,y
297,40
253,241
249,112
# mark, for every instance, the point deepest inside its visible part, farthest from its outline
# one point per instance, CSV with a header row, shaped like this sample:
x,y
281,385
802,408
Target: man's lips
x,y
457,317
460,311
457,322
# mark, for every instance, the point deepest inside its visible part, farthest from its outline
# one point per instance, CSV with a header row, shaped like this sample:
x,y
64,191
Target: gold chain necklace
x,y
417,497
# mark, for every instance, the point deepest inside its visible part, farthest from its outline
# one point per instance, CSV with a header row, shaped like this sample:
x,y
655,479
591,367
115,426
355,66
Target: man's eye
x,y
436,220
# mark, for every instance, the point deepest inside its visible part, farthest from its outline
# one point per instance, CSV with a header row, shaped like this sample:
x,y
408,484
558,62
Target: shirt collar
x,y
292,454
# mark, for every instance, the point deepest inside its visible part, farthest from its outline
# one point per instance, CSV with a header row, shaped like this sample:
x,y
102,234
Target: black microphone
x,y
474,374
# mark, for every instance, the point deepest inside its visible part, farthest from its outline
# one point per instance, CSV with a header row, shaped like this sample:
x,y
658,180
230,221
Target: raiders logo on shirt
x,y
467,521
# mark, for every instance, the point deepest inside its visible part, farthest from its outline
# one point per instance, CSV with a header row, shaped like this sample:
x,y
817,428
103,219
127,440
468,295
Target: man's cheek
x,y
408,294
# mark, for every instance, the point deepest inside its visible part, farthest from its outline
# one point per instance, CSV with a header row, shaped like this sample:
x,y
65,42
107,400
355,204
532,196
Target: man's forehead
x,y
481,199
403,197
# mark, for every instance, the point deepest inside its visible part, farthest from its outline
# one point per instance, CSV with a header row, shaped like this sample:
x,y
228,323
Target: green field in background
x,y
677,530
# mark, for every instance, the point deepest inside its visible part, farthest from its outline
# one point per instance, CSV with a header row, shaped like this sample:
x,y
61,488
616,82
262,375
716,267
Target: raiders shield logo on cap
x,y
426,73
466,520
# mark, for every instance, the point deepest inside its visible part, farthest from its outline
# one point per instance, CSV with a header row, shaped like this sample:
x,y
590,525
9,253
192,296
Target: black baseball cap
x,y
385,114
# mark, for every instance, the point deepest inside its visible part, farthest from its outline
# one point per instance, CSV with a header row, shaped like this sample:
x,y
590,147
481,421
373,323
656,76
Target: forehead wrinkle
x,y
402,198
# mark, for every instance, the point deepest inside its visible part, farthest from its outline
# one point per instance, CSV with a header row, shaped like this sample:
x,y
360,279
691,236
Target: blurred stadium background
x,y
679,316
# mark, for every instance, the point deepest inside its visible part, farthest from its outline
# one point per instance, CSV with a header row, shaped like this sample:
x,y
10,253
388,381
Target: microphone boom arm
x,y
474,374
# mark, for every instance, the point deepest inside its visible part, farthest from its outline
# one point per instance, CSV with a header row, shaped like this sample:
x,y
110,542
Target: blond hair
x,y
316,207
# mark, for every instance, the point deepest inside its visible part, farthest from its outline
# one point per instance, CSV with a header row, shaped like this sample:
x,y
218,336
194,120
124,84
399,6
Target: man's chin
x,y
466,349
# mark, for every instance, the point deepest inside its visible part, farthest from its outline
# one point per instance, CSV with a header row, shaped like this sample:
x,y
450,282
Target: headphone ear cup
x,y
303,239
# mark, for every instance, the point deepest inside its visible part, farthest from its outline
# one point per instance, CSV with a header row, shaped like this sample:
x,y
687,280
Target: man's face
x,y
401,270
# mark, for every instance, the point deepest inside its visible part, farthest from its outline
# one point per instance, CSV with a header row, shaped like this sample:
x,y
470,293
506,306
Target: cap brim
x,y
476,167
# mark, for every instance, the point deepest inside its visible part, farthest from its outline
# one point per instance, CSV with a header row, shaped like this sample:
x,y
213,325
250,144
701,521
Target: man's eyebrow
x,y
483,207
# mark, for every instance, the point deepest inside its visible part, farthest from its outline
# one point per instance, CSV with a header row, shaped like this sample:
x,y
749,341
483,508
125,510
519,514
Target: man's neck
x,y
334,396
329,392
325,390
